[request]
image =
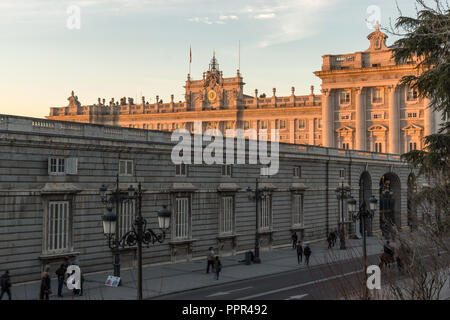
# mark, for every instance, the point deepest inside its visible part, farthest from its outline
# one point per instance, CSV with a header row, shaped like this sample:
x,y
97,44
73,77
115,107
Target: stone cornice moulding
x,y
59,188
228,186
183,187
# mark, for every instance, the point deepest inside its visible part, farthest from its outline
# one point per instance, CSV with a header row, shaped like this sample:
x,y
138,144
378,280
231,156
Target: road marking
x,y
299,285
223,293
297,297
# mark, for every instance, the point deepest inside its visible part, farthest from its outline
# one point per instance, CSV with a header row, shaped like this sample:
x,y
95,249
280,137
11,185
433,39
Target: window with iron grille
x,y
126,216
182,218
57,228
265,221
227,215
297,210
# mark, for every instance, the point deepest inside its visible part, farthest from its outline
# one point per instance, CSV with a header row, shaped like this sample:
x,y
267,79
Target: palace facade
x,y
362,106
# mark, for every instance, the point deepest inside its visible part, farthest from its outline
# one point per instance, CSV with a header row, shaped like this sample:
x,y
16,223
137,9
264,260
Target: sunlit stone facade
x,y
362,106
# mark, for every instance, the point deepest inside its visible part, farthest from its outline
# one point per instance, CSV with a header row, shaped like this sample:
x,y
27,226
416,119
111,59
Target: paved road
x,y
328,281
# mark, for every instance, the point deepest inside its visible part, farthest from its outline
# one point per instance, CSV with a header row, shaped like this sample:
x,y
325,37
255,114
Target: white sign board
x,y
112,281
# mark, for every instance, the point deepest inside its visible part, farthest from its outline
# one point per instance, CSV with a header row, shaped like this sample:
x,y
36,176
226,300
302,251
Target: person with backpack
x,y
307,252
217,267
45,284
210,259
299,252
5,283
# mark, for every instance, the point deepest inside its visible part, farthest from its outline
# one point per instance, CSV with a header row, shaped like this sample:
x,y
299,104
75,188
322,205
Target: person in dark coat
x,y
294,240
5,283
330,240
299,252
60,273
217,267
210,259
334,236
45,284
307,252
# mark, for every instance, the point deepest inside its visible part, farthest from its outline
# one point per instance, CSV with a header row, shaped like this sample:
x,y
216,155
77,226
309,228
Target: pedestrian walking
x,y
294,238
299,252
217,267
330,240
60,273
210,259
307,252
5,284
45,284
336,235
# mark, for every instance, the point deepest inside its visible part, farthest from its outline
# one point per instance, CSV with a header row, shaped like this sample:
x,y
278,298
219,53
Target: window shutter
x,y
72,166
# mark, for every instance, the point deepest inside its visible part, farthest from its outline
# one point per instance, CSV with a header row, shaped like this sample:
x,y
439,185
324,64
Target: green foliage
x,y
426,39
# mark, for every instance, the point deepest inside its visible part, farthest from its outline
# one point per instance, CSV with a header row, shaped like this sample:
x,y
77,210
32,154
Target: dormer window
x,y
344,97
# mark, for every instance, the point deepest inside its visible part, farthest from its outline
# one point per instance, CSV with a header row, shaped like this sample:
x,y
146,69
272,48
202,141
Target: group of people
x,y
45,289
306,251
62,276
332,238
213,261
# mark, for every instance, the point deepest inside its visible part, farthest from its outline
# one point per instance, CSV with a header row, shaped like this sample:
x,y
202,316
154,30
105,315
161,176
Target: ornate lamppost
x,y
139,234
363,213
342,193
257,195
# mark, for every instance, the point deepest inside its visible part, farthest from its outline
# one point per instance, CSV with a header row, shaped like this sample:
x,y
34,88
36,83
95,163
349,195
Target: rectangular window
x,y
344,97
58,234
297,214
265,221
411,94
181,230
412,114
345,116
264,124
377,95
282,124
227,170
377,116
227,215
246,125
126,167
301,123
378,147
57,166
346,145
181,170
297,172
412,146
319,124
127,217
342,173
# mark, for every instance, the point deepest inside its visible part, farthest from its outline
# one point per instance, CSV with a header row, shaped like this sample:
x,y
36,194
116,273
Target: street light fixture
x,y
139,233
363,213
257,195
342,192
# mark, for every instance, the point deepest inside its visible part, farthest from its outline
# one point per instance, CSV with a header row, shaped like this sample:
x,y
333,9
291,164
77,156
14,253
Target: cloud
x,y
231,17
201,20
287,20
263,16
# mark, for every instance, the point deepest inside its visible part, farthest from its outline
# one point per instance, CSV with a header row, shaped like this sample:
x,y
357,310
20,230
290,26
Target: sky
x,y
134,48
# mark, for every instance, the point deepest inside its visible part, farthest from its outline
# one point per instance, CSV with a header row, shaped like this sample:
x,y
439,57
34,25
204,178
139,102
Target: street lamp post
x,y
342,192
363,213
256,195
138,235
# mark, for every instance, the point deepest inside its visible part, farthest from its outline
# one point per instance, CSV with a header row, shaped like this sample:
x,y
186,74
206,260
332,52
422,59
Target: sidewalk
x,y
171,278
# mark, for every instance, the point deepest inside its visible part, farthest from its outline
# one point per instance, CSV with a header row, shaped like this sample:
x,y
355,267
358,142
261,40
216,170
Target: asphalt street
x,y
332,281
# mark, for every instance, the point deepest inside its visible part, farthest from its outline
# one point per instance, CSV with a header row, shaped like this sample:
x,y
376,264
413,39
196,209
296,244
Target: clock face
x,y
212,95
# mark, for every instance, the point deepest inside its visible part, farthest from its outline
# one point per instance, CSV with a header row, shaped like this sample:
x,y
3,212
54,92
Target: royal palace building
x,y
362,106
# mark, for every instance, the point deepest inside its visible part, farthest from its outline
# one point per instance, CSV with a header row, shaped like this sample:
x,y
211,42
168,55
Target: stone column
x,y
311,131
292,131
394,121
327,119
429,118
360,120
